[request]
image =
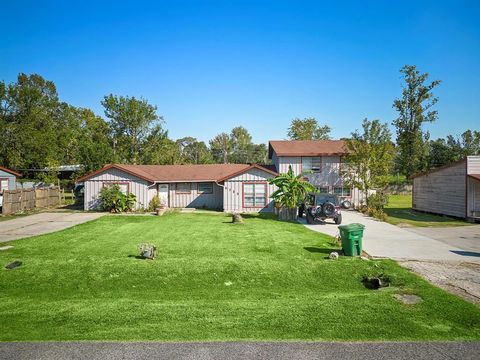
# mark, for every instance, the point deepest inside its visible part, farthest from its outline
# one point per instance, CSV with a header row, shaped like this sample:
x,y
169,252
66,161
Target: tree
x,y
291,190
414,109
158,149
194,151
447,150
241,142
94,141
29,119
221,147
308,129
369,156
131,121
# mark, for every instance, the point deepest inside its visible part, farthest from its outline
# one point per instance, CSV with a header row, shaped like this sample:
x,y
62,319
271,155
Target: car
x,y
321,206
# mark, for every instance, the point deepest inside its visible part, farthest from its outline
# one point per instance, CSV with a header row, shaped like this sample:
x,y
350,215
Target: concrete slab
x,y
42,223
384,240
463,237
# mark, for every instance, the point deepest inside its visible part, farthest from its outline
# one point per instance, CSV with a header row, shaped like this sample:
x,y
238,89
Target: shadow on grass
x,y
137,257
409,214
315,249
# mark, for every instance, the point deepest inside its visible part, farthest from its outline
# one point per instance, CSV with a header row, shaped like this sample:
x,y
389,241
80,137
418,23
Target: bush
x,y
154,203
376,203
112,199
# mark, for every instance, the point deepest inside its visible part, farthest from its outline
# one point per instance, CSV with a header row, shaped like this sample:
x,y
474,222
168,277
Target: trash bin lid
x,y
352,227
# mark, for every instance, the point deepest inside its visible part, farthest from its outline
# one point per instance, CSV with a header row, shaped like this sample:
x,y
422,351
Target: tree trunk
x,y
286,214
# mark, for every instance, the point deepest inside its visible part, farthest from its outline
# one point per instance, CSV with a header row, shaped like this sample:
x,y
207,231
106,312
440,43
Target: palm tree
x,y
291,190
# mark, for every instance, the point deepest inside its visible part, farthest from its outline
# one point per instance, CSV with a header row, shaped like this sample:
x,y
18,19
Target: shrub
x,y
154,203
377,201
112,199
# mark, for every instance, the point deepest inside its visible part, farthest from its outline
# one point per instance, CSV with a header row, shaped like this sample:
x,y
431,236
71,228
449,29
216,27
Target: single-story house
x,y
227,187
452,190
8,181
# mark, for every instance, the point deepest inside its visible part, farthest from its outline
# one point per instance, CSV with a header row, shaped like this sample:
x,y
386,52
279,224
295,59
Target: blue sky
x,y
212,65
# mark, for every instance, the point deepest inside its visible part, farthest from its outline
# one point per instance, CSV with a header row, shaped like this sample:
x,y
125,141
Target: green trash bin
x,y
352,235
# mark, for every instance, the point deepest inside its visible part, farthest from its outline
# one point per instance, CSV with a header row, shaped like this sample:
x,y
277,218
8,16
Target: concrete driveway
x,y
42,223
389,241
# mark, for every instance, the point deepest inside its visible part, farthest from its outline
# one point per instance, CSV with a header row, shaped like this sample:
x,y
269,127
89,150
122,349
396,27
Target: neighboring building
x,y
227,187
321,160
453,189
8,179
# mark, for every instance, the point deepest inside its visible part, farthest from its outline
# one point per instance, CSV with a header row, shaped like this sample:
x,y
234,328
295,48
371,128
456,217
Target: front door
x,y
163,194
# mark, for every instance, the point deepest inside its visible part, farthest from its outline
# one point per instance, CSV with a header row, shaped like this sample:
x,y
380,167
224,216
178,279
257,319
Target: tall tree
x,y
308,129
131,121
414,109
158,149
369,156
241,144
194,151
29,119
221,147
446,150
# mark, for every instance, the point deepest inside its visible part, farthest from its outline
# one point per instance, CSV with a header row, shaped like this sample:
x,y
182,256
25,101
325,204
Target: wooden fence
x,y
27,199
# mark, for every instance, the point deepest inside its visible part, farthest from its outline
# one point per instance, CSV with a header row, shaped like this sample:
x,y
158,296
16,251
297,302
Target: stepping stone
x,y
408,299
3,248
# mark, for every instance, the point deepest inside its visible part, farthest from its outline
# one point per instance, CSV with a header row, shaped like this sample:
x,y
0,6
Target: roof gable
x,y
10,171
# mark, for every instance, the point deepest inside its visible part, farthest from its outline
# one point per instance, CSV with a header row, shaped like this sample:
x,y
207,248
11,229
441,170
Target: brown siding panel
x,y
442,191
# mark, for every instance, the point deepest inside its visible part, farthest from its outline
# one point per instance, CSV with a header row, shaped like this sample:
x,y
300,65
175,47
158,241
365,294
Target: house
x,y
227,187
452,190
320,160
8,181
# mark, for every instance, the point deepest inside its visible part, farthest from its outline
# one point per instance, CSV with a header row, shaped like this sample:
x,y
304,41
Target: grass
x,y
399,212
213,280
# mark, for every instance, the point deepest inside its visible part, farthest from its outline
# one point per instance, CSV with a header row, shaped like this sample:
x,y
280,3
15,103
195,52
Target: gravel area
x,y
460,278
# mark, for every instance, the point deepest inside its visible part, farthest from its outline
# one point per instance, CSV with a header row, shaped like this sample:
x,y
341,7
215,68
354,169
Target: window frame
x,y
8,181
254,183
205,192
117,183
343,193
312,157
183,192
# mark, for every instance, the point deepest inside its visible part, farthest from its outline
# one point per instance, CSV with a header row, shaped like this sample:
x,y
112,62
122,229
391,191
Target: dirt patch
x,y
459,278
408,299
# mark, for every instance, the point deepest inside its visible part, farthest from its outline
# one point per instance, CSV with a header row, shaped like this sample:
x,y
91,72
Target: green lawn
x,y
399,212
213,280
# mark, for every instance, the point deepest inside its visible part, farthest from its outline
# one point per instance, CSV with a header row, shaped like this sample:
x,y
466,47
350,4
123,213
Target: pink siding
x,y
196,199
233,191
94,185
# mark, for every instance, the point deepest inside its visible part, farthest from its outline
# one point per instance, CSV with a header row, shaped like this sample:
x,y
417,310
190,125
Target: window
x,y
342,191
183,188
254,195
205,188
323,190
312,164
124,187
3,185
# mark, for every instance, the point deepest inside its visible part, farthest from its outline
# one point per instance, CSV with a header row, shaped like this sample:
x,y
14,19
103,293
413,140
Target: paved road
x,y
42,223
389,241
246,350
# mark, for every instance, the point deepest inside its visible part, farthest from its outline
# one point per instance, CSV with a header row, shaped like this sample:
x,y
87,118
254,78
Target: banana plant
x,y
291,189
